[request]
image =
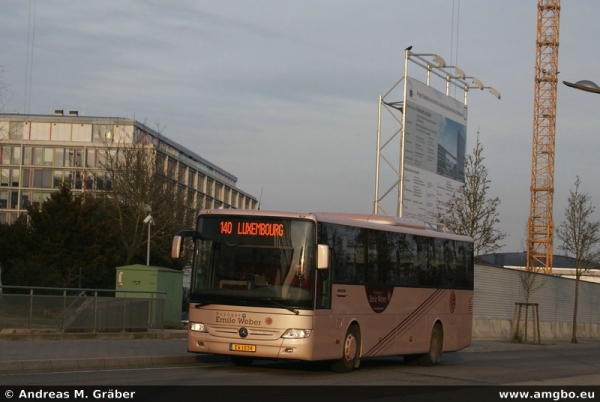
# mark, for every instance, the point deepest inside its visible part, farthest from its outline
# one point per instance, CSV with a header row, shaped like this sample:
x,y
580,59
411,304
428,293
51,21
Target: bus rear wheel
x,y
241,360
351,352
436,347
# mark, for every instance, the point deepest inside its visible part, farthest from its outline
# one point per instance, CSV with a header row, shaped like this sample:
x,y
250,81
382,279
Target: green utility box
x,y
153,279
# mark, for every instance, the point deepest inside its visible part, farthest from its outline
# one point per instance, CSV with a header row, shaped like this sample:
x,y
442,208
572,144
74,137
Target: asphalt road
x,y
483,366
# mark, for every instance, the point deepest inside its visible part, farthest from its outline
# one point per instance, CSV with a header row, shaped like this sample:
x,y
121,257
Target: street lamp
x,y
149,221
584,85
493,91
438,60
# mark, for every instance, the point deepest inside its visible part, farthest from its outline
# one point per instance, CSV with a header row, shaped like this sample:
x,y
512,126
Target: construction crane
x,y
540,225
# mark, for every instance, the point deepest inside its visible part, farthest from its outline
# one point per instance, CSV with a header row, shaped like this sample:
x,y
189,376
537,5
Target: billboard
x,y
435,141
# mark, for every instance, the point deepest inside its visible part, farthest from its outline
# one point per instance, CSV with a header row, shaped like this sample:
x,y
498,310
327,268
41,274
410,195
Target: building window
x,y
103,182
14,199
37,156
5,174
5,155
16,155
171,167
46,178
3,199
42,178
75,157
26,178
190,198
24,199
101,133
201,178
218,192
58,178
89,181
16,130
226,196
191,178
59,157
15,178
27,155
90,159
74,179
48,156
181,173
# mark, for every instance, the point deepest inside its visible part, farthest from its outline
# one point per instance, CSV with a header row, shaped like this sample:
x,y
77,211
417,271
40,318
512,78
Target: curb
x,y
58,365
105,336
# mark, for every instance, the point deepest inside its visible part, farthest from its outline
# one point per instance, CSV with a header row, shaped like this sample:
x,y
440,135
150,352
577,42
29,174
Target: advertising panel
x,y
435,144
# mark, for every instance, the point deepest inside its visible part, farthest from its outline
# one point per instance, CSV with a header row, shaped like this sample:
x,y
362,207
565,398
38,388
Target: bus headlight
x,y
197,327
294,333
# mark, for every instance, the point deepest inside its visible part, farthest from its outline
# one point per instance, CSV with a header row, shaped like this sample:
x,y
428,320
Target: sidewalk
x,y
28,353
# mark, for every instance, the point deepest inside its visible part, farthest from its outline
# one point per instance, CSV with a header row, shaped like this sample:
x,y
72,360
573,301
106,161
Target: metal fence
x,y
80,310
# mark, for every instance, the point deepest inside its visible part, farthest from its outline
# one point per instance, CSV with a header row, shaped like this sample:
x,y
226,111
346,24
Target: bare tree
x,y
136,174
470,212
580,238
531,282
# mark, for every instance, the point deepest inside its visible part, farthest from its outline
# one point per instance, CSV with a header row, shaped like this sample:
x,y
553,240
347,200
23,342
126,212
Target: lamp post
x,y
149,221
584,85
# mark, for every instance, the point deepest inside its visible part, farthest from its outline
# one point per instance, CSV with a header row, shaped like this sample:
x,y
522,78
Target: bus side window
x,y
324,285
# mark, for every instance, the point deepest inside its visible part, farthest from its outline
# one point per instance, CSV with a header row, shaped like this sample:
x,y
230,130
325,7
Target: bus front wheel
x,y
351,352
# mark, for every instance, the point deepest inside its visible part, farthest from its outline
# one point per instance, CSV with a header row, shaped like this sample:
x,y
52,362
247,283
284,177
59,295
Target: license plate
x,y
242,348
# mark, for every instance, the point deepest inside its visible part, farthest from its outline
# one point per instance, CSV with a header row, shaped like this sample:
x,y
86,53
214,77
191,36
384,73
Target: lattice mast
x,y
540,226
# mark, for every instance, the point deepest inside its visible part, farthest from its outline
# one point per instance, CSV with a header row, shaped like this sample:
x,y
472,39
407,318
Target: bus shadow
x,y
300,366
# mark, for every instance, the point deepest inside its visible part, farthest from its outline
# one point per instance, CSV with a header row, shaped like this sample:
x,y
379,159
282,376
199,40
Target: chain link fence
x,y
80,310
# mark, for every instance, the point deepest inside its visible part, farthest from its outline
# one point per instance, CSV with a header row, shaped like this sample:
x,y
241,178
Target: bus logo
x,y
379,297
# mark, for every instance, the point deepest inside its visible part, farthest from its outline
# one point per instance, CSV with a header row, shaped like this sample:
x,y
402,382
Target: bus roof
x,y
367,221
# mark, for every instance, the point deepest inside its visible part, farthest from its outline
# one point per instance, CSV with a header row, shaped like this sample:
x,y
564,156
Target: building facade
x,y
40,153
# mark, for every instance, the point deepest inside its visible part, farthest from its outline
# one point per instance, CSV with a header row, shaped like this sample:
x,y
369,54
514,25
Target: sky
x,y
284,93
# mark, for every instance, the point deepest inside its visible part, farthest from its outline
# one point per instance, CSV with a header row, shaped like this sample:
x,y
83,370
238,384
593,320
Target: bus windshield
x,y
254,261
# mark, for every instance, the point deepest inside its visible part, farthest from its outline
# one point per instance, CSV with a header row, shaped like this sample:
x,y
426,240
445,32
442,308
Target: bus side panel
x,y
328,335
458,324
404,326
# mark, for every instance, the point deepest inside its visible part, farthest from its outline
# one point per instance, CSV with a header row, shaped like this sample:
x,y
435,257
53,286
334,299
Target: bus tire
x,y
436,347
350,352
242,360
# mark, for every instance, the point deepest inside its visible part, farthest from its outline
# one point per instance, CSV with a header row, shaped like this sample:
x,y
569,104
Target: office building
x,y
38,153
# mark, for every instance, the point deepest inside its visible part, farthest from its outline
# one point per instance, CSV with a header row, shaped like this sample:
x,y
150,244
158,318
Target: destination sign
x,y
252,228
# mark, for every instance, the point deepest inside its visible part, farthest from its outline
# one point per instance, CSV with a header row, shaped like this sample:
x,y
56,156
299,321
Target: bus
x,y
326,287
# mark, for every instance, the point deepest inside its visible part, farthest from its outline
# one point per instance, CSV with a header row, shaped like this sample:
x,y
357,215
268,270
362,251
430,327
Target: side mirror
x,y
176,247
322,256
177,244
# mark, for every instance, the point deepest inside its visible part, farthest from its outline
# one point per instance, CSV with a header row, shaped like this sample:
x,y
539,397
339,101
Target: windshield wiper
x,y
293,310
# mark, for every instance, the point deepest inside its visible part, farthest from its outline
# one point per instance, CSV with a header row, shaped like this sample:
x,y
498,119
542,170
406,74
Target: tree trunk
x,y
574,337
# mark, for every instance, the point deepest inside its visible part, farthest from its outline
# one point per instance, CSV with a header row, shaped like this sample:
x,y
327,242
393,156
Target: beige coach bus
x,y
326,286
